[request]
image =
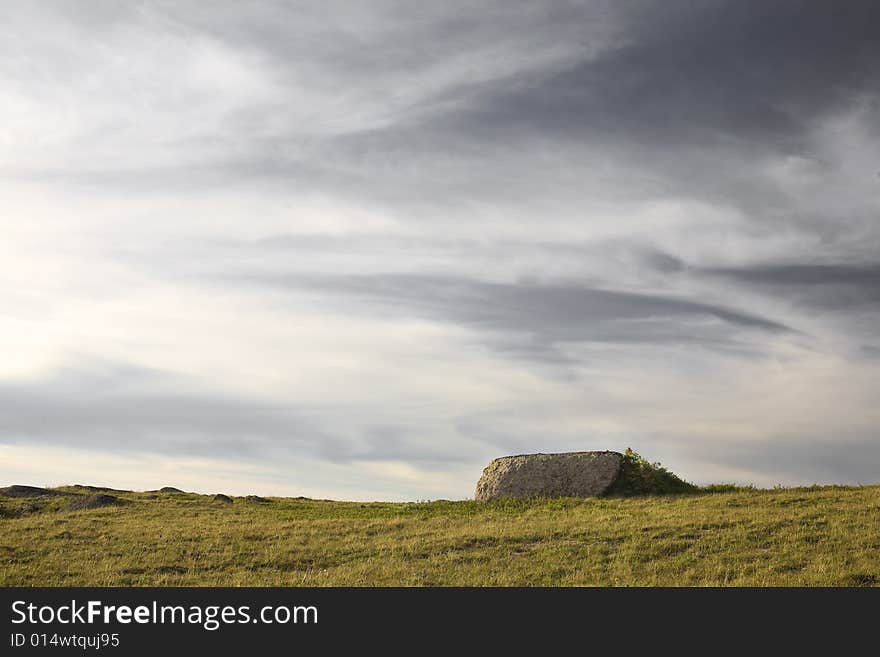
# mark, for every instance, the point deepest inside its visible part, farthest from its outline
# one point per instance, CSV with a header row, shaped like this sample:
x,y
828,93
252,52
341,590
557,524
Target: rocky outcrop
x,y
99,489
571,474
30,491
96,501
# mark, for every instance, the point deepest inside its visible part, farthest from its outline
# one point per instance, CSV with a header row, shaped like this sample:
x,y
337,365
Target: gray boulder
x,y
571,474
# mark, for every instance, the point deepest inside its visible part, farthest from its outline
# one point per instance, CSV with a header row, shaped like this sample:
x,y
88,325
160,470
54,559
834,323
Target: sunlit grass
x,y
817,537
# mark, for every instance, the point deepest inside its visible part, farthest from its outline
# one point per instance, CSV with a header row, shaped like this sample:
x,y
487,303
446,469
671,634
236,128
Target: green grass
x,y
826,536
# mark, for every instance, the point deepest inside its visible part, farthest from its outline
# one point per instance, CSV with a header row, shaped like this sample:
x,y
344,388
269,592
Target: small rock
x,y
224,499
170,489
96,501
257,499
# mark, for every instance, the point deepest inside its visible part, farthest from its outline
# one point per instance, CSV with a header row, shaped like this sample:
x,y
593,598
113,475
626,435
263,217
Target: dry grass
x,y
818,536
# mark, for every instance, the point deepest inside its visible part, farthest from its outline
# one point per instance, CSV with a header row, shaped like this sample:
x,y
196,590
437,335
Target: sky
x,y
357,250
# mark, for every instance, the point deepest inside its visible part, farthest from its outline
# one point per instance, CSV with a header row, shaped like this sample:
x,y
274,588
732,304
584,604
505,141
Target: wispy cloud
x,y
368,246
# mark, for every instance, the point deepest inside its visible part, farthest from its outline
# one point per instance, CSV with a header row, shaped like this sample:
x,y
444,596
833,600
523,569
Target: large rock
x,y
572,474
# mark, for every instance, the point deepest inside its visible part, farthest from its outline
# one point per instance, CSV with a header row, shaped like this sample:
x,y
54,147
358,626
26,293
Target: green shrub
x,y
726,488
640,477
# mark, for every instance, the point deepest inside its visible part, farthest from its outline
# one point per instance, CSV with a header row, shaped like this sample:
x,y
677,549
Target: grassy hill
x,y
805,536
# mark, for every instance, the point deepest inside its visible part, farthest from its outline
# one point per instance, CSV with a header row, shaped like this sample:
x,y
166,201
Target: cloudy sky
x,y
358,249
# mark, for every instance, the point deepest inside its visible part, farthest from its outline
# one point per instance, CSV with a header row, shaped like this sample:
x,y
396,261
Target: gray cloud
x,y
544,316
688,104
706,74
811,460
827,287
647,100
119,407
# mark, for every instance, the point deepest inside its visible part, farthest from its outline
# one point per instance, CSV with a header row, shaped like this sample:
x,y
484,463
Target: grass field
x,y
807,536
